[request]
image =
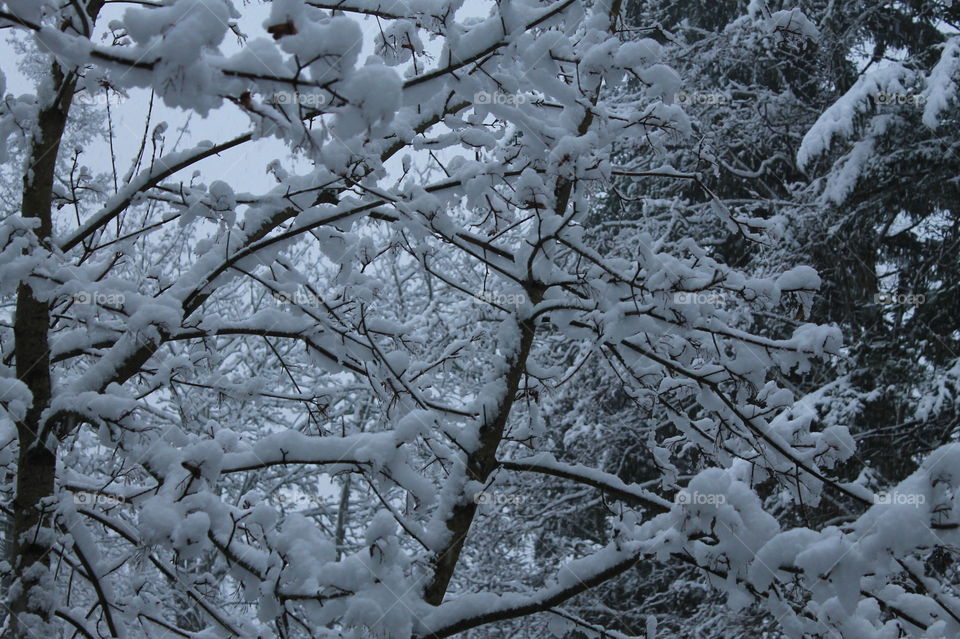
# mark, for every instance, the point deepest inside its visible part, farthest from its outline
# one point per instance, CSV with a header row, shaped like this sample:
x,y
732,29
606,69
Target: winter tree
x,y
885,248
329,408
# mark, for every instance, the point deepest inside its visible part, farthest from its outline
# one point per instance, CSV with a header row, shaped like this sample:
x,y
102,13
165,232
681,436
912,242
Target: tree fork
x,y
481,462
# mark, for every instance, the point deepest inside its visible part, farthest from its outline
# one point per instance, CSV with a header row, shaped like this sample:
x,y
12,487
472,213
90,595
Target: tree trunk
x,y
480,463
32,596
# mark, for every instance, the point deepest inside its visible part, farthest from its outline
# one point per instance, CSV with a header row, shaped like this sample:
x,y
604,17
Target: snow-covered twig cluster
x,y
376,337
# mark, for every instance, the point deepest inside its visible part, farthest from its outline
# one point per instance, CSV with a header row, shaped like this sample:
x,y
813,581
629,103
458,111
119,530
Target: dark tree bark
x,y
32,595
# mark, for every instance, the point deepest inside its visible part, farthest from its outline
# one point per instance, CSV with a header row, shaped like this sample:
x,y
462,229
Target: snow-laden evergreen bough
x,y
290,413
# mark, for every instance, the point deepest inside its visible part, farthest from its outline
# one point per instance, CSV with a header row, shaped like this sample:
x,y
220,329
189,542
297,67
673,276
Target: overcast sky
x,y
245,165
